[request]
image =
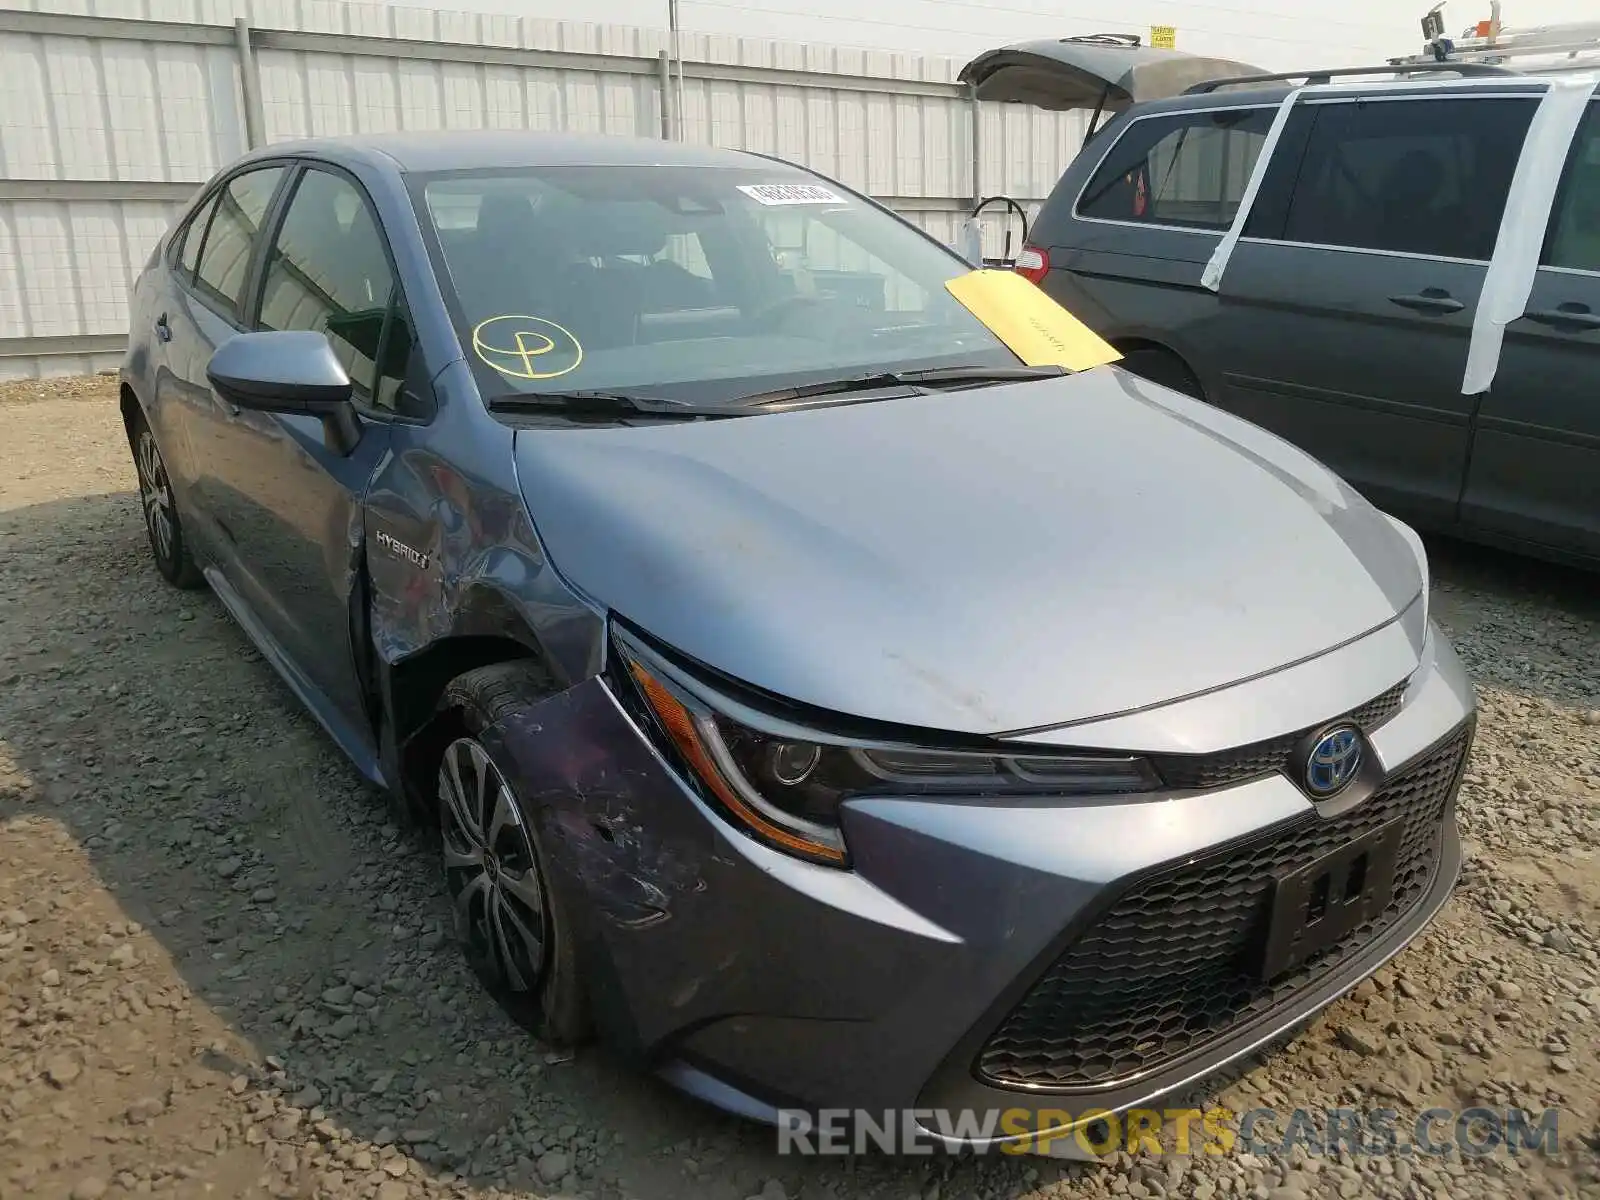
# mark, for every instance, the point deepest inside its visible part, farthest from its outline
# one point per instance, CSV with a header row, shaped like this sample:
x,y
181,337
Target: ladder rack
x,y
1536,50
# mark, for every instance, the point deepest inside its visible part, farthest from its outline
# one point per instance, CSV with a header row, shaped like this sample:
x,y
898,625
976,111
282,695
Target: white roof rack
x,y
1535,50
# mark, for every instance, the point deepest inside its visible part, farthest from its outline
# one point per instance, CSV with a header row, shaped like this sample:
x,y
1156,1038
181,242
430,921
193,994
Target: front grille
x,y
1165,970
1202,772
1376,712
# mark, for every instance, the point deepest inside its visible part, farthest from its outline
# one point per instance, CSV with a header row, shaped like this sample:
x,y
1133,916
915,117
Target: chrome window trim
x,y
1411,255
1580,272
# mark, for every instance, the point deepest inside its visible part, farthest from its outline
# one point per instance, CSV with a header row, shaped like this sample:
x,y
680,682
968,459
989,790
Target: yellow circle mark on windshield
x,y
526,347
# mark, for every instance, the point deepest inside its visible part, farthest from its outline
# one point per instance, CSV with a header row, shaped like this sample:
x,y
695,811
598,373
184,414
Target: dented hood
x,y
982,561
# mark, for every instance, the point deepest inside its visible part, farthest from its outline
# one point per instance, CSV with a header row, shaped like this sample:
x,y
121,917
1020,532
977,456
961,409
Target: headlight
x,y
785,784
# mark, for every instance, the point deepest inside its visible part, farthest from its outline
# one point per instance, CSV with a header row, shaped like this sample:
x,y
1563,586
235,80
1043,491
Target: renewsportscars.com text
x,y
1434,1132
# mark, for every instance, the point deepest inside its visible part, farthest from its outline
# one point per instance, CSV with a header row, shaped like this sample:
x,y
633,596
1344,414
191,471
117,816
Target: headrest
x,y
506,217
626,227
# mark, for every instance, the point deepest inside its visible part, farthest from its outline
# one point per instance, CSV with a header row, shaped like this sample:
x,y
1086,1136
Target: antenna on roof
x,y
1433,36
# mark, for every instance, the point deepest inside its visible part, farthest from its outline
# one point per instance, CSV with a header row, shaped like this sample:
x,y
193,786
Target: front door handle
x,y
1573,318
1429,300
163,330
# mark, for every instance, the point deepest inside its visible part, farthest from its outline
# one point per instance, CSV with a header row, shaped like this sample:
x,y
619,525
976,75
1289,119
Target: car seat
x,y
512,262
605,293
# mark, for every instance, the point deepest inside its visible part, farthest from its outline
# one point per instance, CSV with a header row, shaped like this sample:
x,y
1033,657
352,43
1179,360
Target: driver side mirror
x,y
289,371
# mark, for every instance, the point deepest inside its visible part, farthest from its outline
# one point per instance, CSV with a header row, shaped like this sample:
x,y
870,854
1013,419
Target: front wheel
x,y
509,918
161,522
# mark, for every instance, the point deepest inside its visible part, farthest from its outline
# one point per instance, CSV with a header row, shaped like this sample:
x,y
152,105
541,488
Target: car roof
x,y
461,150
1273,93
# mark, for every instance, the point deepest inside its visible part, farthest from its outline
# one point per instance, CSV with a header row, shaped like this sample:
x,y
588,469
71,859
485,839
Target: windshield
x,y
688,283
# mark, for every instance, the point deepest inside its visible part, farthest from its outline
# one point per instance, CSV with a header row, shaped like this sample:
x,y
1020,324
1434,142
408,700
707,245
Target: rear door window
x,y
1188,170
191,237
231,240
1575,228
1423,176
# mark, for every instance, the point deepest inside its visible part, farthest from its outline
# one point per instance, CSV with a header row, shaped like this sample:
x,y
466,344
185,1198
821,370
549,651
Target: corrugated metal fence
x,y
112,112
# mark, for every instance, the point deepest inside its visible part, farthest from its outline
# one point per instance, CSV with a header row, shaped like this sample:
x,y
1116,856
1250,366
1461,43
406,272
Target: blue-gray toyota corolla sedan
x,y
811,698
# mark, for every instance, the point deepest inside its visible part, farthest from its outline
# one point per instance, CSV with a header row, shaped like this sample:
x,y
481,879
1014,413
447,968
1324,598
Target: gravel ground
x,y
223,973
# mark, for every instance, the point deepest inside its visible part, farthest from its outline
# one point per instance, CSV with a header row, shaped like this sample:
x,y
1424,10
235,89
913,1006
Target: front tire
x,y
510,918
162,525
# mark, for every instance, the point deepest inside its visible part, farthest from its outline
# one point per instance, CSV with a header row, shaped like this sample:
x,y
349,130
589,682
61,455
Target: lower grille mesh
x,y
1164,970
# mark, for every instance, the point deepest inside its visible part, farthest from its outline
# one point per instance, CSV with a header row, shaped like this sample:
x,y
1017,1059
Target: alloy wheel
x,y
491,871
156,495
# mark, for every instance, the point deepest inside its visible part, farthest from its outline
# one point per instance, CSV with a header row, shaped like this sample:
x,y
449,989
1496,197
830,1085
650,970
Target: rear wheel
x,y
161,522
510,918
1165,368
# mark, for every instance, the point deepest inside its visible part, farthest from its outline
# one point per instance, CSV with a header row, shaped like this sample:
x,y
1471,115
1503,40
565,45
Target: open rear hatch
x,y
1104,72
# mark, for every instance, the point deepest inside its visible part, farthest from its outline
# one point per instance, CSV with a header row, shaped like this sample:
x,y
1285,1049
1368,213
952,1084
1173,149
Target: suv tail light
x,y
1033,264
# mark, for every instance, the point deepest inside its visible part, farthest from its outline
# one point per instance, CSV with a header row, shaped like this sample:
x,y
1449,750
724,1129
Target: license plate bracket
x,y
1323,903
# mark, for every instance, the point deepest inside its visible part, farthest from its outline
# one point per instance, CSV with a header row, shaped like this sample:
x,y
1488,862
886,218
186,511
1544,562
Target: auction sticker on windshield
x,y
790,193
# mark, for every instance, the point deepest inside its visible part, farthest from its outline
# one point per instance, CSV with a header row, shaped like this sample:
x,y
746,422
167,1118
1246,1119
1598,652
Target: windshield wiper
x,y
607,404
604,404
981,374
928,376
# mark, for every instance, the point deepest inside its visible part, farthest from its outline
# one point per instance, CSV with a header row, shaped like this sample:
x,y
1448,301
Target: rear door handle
x,y
1574,318
1430,300
163,330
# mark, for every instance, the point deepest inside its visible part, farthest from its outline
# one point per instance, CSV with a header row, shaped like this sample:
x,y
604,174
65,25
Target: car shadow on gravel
x,y
1518,622
1517,577
221,819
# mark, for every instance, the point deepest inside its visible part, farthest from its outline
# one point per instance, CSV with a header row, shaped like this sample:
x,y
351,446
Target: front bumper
x,y
948,971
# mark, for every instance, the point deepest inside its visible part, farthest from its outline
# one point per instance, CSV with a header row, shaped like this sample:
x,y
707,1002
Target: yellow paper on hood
x,y
1037,329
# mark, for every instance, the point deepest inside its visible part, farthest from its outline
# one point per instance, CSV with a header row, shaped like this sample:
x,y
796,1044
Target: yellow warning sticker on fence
x,y
1164,37
1037,329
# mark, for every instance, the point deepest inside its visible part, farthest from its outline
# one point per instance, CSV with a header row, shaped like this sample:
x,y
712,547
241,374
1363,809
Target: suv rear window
x,y
1418,176
1189,170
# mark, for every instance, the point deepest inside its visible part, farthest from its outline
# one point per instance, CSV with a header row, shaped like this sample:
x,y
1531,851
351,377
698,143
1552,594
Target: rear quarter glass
x,y
1052,227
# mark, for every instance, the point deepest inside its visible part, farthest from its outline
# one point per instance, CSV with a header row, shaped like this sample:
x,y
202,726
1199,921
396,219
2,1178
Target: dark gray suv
x,y
1345,316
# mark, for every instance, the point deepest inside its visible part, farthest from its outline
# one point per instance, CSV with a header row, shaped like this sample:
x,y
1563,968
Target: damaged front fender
x,y
590,797
682,920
